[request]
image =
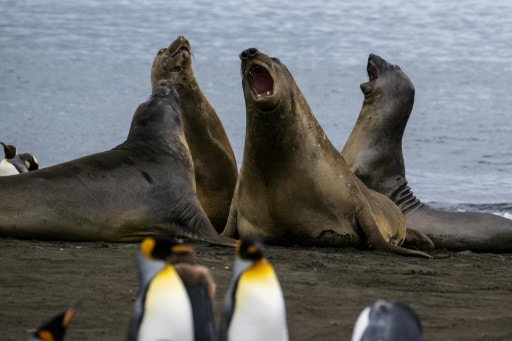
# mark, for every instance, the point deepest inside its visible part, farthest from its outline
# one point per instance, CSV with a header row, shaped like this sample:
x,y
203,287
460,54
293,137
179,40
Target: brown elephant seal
x,y
142,187
214,161
373,152
294,187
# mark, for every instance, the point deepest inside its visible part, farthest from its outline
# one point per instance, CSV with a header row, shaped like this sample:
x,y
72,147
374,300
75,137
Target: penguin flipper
x,y
19,164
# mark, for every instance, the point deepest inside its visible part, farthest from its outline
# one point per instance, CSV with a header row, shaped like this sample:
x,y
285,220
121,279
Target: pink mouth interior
x,y
261,82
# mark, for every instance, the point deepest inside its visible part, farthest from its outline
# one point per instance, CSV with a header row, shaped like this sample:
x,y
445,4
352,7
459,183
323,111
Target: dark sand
x,y
458,296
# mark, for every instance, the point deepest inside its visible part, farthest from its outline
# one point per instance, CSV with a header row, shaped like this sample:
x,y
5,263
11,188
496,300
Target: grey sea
x,y
72,73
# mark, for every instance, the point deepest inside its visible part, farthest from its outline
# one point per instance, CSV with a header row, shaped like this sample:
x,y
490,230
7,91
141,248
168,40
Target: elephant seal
x,y
294,187
373,152
214,161
144,186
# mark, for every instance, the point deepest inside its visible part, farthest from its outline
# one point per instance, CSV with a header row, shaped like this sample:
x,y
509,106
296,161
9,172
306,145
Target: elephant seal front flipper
x,y
142,187
294,187
373,152
214,161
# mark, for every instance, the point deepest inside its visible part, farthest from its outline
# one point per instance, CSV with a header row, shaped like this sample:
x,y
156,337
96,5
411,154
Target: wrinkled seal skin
x,y
142,187
373,152
294,187
214,161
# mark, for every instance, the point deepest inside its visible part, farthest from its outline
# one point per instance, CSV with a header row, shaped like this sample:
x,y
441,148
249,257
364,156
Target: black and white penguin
x,y
55,329
30,161
254,306
11,164
388,321
175,299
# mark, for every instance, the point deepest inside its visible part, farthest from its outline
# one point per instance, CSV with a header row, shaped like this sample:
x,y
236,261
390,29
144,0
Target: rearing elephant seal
x,y
142,187
294,187
373,152
214,161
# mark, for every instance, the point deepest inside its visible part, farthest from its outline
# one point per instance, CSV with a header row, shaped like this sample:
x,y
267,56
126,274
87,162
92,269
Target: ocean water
x,y
72,74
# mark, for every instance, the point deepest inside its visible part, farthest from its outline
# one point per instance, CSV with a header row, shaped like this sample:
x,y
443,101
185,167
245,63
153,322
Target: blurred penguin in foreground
x,y
386,321
55,329
254,307
175,298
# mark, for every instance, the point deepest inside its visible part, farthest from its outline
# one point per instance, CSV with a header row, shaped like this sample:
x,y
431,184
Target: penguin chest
x,y
259,308
167,309
7,168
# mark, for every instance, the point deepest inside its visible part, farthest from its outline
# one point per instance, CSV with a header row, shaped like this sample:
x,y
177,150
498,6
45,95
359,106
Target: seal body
x,y
254,307
213,158
143,186
373,152
294,186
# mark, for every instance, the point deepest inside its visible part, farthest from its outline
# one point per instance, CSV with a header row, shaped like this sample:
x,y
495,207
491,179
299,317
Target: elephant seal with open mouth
x,y
373,152
294,187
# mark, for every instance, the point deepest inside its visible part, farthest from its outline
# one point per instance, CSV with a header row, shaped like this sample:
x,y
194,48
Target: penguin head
x,y
166,249
388,321
30,161
9,150
55,329
250,248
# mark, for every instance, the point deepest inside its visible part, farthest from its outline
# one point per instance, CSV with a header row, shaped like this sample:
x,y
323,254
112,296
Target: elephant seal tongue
x,y
261,82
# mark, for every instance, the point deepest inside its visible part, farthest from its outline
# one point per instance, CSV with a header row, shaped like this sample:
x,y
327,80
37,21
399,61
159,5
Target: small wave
x,y
502,209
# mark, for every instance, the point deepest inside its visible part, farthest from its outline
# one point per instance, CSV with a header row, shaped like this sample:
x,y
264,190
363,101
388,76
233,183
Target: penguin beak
x,y
182,249
70,312
253,249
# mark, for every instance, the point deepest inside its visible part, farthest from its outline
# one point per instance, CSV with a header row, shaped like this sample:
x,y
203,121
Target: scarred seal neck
x,y
405,199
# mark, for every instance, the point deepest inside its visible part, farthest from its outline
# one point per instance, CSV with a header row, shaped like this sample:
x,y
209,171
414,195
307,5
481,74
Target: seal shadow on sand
x,y
294,187
373,152
143,186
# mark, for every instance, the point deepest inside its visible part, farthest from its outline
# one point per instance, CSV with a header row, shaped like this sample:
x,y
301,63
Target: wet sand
x,y
458,295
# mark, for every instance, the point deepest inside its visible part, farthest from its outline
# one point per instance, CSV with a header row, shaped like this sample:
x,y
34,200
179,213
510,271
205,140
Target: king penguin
x,y
11,164
175,299
30,161
387,321
55,329
254,306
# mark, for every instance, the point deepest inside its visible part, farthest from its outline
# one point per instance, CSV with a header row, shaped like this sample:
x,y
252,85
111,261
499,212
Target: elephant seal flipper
x,y
373,152
294,187
142,187
367,221
417,240
214,161
230,230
